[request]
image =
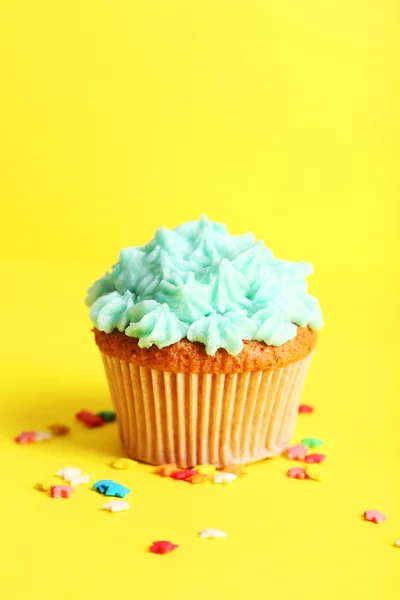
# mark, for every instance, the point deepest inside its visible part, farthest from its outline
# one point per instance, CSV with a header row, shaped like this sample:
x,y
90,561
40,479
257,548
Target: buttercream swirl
x,y
200,281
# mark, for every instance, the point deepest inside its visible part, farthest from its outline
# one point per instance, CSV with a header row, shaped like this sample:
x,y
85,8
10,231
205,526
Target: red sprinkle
x,y
314,458
26,437
162,547
306,408
296,473
184,474
89,419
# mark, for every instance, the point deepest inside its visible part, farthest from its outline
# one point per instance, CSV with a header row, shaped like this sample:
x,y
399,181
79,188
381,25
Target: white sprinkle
x,y
212,533
116,506
68,472
224,477
77,479
397,543
42,435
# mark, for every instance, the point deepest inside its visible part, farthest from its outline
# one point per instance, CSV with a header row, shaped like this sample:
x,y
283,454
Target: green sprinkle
x,y
107,415
312,442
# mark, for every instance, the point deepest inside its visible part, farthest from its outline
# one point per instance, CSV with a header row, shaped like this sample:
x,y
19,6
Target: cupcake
x,y
206,339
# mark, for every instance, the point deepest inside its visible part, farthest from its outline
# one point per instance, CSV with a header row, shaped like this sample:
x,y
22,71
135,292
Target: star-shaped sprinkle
x,y
296,452
61,491
108,416
111,488
314,471
67,472
166,470
116,506
89,419
123,463
212,534
206,469
306,408
77,479
102,485
224,477
314,458
26,437
235,469
374,516
296,473
45,486
162,547
397,543
199,478
59,429
40,436
312,442
183,474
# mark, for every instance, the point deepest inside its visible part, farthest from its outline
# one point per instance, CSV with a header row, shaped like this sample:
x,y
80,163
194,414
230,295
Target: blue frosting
x,y
199,281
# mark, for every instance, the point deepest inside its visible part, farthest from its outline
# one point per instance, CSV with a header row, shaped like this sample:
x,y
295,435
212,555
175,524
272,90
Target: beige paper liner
x,y
189,419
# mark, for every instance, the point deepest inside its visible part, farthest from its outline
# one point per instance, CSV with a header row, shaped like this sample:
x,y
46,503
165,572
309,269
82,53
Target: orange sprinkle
x,y
166,470
59,429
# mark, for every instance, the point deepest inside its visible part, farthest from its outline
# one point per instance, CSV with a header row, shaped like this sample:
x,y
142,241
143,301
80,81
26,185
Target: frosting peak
x,y
200,281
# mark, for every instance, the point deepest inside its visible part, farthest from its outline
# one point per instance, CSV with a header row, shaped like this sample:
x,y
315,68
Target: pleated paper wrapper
x,y
190,419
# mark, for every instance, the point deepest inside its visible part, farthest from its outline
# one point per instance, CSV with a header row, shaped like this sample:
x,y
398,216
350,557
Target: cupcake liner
x,y
207,418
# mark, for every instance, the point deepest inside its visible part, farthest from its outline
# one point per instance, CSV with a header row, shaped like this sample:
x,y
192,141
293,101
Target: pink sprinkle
x,y
314,458
26,437
306,408
61,491
296,473
374,516
297,452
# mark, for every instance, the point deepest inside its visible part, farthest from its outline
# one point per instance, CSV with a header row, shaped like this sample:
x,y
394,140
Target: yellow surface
x,y
280,117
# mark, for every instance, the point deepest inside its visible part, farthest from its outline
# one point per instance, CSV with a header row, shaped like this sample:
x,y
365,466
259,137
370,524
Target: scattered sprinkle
x,y
68,472
397,543
199,478
57,430
314,458
296,473
26,437
297,452
111,488
162,547
224,477
306,408
102,485
235,469
41,436
313,471
77,479
61,491
312,442
108,416
89,419
116,506
212,534
166,470
123,463
374,516
45,486
206,469
183,474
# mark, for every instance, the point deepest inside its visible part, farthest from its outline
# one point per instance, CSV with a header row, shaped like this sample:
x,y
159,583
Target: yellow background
x,y
276,116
